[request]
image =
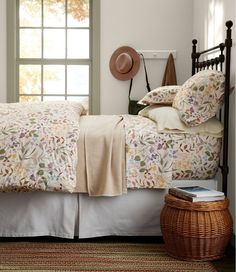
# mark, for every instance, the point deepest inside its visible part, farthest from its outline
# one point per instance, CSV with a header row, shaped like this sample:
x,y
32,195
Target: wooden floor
x,y
226,264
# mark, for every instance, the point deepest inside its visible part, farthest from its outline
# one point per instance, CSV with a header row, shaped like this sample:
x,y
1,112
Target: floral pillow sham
x,y
201,97
162,95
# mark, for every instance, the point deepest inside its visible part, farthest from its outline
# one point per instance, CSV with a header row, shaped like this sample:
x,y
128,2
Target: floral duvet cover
x,y
39,150
38,146
153,159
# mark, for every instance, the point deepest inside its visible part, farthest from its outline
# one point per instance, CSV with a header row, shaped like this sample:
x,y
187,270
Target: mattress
x,y
78,215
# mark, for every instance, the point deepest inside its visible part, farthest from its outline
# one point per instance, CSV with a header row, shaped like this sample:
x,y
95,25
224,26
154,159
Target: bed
x,y
157,152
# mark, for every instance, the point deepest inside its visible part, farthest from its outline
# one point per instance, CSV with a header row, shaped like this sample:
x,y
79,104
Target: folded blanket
x,y
101,156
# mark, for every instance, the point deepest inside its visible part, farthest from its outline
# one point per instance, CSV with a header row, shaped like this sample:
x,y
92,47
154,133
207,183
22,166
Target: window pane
x,y
77,79
54,43
53,98
54,13
46,37
78,13
30,98
30,43
30,79
84,100
78,43
54,79
30,13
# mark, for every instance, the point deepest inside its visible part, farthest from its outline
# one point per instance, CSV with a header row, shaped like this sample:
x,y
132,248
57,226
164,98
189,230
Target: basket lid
x,y
179,203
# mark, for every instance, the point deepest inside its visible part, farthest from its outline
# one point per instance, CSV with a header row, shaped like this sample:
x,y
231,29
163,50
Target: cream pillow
x,y
168,121
162,95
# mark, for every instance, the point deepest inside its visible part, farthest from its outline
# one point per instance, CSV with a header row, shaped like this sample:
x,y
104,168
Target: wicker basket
x,y
196,231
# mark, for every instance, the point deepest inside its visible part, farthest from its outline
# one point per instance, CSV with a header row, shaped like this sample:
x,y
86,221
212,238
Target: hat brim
x,y
136,63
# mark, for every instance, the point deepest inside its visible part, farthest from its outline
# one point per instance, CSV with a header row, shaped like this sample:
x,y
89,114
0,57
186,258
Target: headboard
x,y
222,63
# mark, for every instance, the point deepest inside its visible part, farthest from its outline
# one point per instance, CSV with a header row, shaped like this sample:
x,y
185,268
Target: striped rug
x,y
92,256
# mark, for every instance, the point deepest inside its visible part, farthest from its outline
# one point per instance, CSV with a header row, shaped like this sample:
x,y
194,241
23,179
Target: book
x,y
197,193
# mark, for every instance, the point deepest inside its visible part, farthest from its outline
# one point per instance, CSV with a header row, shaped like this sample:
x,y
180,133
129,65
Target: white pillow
x,y
168,121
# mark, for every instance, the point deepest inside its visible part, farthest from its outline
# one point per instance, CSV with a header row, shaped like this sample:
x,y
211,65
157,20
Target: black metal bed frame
x,y
223,58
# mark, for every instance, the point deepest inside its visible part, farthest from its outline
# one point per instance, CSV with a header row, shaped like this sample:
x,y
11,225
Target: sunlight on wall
x,y
213,23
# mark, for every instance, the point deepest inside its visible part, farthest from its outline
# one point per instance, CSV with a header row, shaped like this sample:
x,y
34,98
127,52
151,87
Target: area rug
x,y
92,256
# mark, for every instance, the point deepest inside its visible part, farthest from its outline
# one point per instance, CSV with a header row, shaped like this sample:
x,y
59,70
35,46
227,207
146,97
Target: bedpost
x,y
221,57
224,167
194,50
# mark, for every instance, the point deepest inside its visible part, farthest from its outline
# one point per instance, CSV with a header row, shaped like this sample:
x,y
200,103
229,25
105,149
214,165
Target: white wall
x,y
209,28
3,91
149,24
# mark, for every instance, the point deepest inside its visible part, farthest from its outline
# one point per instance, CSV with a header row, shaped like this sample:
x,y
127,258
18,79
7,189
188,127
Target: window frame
x,y
94,59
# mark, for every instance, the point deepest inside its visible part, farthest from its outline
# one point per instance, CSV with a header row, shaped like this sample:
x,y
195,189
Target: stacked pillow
x,y
168,121
163,95
201,97
196,101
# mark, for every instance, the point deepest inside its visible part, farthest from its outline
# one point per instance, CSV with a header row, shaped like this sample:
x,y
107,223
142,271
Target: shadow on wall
x,y
214,20
216,13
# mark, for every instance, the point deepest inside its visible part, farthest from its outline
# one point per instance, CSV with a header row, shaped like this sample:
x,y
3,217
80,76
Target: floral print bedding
x,y
195,156
163,95
39,150
201,97
149,155
38,146
153,159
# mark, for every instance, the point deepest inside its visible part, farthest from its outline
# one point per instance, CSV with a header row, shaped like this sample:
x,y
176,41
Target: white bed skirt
x,y
38,214
69,215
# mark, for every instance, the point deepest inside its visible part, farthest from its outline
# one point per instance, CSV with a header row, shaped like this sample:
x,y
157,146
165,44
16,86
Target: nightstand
x,y
196,231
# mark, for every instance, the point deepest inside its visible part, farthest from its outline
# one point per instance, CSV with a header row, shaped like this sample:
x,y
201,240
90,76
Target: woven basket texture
x,y
196,231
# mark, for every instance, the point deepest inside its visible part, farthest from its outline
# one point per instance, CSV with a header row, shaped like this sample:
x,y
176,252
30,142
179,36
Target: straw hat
x,y
124,63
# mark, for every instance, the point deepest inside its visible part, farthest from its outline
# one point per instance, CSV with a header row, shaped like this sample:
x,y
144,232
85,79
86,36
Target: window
x,y
53,51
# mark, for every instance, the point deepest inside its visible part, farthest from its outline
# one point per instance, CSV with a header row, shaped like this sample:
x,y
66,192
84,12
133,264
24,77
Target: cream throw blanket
x,y
101,156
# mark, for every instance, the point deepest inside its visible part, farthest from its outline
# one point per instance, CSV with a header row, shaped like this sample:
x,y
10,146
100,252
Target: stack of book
x,y
197,194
